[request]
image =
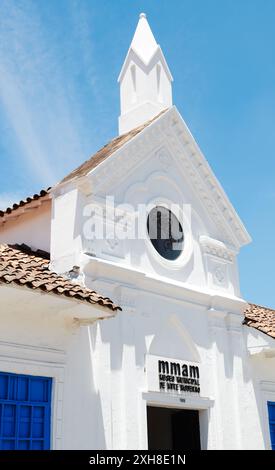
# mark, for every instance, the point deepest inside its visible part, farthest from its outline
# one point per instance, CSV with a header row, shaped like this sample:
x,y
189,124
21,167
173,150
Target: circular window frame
x,y
187,250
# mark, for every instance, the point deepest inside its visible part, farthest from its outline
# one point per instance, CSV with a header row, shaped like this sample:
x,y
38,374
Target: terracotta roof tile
x,y
20,265
28,200
261,318
107,151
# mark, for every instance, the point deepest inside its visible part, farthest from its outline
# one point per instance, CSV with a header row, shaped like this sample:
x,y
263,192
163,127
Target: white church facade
x,y
122,325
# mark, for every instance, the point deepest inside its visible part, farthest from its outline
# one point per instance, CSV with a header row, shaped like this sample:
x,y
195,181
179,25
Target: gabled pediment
x,y
170,131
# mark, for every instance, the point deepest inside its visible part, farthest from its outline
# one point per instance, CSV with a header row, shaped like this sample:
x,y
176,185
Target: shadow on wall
x,y
160,334
109,356
83,417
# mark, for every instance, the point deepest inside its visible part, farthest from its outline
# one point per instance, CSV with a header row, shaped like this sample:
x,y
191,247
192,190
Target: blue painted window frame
x,y
271,418
25,412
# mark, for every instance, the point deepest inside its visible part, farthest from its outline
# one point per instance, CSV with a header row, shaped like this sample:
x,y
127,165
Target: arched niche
x,y
174,341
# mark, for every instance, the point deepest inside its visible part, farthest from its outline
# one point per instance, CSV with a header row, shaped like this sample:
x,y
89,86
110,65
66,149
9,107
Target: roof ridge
x,y
107,150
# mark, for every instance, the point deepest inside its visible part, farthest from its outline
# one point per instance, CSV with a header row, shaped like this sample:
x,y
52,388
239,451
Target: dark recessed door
x,y
173,429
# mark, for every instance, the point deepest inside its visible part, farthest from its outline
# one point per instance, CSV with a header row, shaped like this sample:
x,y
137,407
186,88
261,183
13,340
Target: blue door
x,y
271,415
25,412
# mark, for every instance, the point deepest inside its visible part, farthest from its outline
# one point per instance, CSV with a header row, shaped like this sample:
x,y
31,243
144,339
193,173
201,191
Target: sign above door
x,y
172,375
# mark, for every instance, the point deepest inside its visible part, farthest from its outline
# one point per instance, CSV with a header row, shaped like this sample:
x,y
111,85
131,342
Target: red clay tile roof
x,y
261,318
107,151
22,203
20,265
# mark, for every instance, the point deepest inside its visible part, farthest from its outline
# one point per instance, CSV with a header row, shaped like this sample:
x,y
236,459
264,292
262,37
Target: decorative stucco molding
x,y
217,259
170,128
216,248
164,158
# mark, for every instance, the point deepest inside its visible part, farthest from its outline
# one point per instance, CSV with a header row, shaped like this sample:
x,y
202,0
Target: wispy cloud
x,y
21,119
82,30
39,85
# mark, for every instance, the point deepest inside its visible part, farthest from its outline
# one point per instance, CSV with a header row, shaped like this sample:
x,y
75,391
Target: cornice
x,y
125,160
112,272
217,249
207,185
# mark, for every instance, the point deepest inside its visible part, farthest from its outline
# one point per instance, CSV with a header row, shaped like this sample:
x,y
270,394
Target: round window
x,y
165,232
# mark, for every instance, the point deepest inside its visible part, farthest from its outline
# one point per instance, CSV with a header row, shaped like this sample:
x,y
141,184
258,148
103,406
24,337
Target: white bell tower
x,y
145,80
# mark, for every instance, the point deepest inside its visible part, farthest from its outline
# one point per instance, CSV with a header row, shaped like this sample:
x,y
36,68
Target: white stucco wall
x,y
146,171
40,336
32,227
100,387
190,310
115,394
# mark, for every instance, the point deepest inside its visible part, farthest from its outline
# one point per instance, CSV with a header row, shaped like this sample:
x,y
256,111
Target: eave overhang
x,y
15,298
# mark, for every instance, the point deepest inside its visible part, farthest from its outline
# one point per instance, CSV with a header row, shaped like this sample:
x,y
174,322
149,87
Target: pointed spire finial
x,y
143,42
145,79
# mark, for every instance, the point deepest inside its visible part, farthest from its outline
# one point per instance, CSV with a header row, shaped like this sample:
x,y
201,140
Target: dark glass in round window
x,y
165,232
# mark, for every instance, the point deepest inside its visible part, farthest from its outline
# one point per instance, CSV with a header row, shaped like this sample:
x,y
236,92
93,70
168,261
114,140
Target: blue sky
x,y
59,101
